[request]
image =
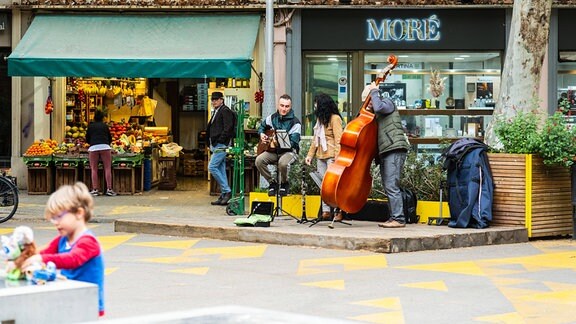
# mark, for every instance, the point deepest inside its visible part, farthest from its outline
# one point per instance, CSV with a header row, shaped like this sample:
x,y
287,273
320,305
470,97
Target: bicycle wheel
x,y
8,199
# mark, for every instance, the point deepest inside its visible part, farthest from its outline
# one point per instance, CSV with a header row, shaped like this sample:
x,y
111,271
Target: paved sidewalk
x,y
189,214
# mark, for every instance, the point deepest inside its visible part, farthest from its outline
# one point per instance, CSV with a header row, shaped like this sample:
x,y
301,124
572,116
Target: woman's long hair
x,y
325,108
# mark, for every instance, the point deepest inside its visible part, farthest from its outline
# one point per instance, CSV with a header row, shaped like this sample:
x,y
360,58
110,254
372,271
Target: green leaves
x,y
554,142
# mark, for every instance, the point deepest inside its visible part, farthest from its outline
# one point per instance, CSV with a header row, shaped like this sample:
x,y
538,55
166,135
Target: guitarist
x,y
393,147
282,119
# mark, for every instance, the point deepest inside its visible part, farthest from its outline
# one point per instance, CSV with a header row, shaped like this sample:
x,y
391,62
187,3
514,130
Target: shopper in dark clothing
x,y
220,132
99,137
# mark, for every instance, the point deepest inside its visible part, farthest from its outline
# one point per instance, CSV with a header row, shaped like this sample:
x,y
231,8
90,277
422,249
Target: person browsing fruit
x,y
98,136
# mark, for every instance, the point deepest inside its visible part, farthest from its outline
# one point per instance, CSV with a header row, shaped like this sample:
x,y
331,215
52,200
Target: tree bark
x,y
527,44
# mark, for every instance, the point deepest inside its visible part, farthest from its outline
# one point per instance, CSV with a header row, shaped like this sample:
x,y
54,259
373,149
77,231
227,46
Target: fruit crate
x,y
37,160
128,178
167,173
40,180
67,169
127,160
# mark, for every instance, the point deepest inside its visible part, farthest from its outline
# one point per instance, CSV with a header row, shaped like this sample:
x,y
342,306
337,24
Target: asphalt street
x,y
531,282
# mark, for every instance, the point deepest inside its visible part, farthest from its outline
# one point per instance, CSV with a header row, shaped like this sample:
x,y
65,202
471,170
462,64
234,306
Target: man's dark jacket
x,y
220,129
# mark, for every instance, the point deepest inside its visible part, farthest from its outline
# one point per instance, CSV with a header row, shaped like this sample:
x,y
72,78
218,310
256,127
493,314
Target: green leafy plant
x,y
557,141
554,141
423,174
519,134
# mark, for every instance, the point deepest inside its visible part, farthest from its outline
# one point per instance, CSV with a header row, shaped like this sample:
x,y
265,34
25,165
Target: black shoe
x,y
272,189
284,189
225,198
218,201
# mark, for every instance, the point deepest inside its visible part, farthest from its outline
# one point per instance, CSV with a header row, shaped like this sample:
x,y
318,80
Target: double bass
x,y
347,182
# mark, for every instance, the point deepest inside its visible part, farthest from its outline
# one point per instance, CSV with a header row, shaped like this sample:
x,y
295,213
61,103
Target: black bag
x,y
409,201
373,210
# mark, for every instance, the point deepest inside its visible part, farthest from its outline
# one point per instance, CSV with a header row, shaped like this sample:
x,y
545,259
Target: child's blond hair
x,y
70,198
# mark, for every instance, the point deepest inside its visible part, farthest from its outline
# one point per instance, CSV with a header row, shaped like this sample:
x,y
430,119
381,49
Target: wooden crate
x,y
124,180
528,193
168,169
66,176
40,180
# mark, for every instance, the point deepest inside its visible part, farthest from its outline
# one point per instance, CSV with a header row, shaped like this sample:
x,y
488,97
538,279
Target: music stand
x,y
283,141
317,178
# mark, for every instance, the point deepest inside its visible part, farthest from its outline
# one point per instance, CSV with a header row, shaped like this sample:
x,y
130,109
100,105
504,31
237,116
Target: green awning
x,y
150,46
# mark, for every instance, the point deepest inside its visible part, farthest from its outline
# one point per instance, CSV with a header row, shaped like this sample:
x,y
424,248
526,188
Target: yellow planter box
x,y
426,209
292,204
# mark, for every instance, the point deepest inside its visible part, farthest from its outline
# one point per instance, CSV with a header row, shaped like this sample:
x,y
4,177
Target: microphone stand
x,y
303,219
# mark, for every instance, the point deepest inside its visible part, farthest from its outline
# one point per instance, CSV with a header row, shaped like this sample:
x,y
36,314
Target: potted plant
x,y
531,174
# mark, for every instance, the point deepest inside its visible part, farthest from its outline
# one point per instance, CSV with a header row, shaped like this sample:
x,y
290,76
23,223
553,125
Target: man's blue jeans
x,y
391,166
217,166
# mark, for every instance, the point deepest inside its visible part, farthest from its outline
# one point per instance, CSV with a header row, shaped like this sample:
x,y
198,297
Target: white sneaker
x,y
94,192
111,193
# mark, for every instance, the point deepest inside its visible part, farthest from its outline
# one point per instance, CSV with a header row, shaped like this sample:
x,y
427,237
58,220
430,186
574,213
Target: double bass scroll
x,y
347,182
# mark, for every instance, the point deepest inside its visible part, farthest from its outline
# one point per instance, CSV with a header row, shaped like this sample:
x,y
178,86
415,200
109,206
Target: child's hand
x,y
36,258
308,160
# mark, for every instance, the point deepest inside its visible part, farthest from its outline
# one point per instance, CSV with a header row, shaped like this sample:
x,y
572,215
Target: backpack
x,y
409,202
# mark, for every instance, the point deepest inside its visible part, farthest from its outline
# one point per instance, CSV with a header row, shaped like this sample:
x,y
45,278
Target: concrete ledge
x,y
62,301
364,236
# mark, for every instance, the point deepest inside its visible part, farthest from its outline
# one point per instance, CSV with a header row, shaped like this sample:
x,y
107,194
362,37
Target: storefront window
x,y
325,73
409,81
567,78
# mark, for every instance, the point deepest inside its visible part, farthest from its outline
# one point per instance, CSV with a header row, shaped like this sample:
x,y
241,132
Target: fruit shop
x,y
151,99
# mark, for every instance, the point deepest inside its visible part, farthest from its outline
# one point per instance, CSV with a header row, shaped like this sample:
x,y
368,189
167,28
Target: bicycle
x,y
8,197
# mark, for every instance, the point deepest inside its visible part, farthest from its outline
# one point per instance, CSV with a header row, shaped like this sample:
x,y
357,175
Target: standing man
x,y
393,146
220,132
283,119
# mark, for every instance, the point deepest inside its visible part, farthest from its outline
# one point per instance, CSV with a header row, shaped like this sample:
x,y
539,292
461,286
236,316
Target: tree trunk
x,y
527,44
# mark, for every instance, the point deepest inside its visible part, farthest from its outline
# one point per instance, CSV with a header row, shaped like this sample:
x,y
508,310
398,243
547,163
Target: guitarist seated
x,y
283,119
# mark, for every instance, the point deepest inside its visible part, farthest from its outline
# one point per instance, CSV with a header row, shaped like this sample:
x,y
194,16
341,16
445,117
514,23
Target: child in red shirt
x,y
76,251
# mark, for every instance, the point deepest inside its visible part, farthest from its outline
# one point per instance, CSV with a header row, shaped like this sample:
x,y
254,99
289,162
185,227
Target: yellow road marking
x,y
330,284
196,271
230,252
6,230
110,242
464,267
389,318
433,285
176,259
316,266
178,244
508,318
391,303
132,210
108,271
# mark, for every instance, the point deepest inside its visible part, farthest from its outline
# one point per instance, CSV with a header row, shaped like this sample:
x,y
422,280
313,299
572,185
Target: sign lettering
x,y
398,30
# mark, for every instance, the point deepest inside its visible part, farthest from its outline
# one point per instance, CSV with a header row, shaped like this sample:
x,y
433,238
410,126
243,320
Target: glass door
x,y
327,73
